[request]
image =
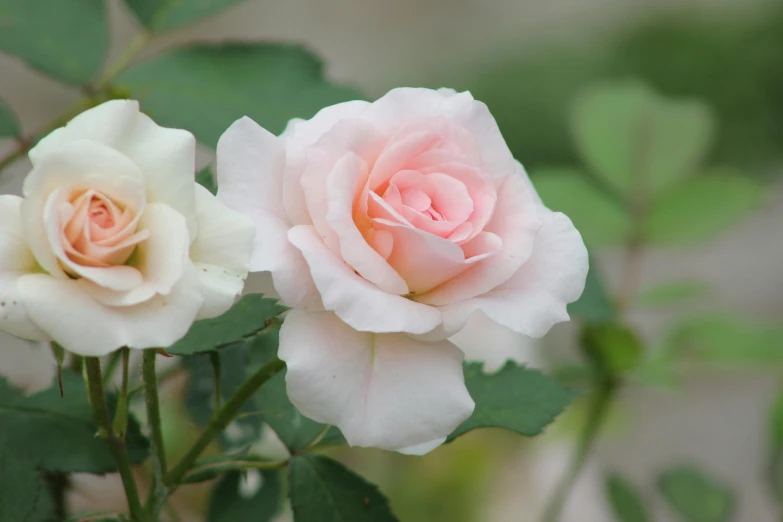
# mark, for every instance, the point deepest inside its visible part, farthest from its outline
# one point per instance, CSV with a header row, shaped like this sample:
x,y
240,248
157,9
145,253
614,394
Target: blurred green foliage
x,y
625,500
694,496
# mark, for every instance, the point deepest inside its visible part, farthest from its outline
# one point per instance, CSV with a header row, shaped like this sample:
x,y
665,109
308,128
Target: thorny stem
x,y
106,431
159,492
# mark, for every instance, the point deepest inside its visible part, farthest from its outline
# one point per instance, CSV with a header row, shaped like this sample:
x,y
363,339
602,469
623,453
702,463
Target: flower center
x,y
100,214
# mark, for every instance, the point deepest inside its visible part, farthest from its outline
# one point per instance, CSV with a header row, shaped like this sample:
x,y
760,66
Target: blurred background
x,y
698,410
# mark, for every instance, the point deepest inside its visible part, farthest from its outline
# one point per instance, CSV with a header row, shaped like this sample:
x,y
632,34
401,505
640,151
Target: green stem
x,y
58,484
600,403
116,446
159,492
111,366
221,418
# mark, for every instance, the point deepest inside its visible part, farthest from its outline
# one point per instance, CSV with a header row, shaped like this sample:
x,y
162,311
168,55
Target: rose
x,y
114,244
400,218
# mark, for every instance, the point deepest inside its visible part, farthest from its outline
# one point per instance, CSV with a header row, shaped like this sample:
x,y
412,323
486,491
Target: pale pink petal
x,y
382,390
395,156
535,298
355,300
516,222
83,325
221,253
345,180
250,168
409,104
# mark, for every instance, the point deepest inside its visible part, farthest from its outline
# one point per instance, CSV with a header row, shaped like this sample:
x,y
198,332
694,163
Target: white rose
x,y
114,244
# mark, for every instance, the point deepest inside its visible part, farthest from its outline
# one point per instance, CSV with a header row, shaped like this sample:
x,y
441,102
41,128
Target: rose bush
x,y
114,244
386,225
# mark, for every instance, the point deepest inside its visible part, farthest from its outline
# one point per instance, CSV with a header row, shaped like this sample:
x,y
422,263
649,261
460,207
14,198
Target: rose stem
x,y
158,493
106,431
221,418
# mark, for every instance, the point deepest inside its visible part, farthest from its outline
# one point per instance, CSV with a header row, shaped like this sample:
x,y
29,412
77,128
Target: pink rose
x,y
386,225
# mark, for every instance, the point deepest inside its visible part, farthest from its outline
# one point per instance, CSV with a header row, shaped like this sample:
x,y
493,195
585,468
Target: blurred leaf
x,y
245,429
63,38
247,317
695,496
163,15
600,219
625,500
206,179
206,88
775,472
515,398
776,421
255,495
728,340
323,490
594,305
615,347
9,127
20,486
59,432
672,292
700,208
634,139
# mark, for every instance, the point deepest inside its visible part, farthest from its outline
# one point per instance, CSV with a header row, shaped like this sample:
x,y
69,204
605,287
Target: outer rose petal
x,y
356,301
382,390
83,325
407,104
535,298
15,261
166,157
221,253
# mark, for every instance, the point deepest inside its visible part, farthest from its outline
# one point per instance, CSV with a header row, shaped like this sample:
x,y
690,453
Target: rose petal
x,y
82,325
535,298
347,177
516,222
221,252
355,300
381,390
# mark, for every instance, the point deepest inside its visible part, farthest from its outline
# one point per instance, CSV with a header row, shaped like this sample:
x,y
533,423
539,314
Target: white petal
x,y
83,325
15,254
355,300
14,318
382,390
161,259
221,252
484,340
166,157
341,187
422,449
535,298
250,167
77,164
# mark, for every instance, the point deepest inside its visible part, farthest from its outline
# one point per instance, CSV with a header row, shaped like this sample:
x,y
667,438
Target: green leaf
x,y
20,486
625,501
594,305
255,495
59,432
672,292
323,490
66,39
776,421
200,395
163,15
9,127
206,179
515,398
599,218
631,137
247,317
613,346
701,208
727,340
206,88
695,496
